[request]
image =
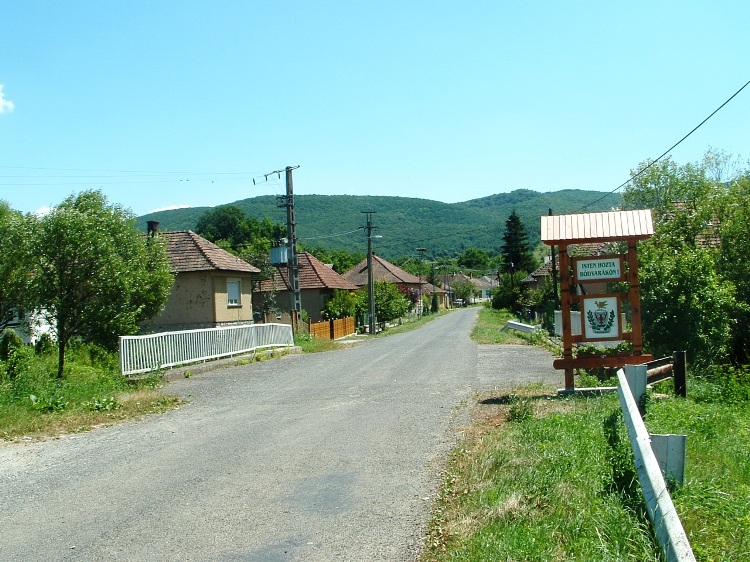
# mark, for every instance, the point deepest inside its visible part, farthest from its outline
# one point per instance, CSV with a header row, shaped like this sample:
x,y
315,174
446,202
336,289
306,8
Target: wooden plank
x,y
597,361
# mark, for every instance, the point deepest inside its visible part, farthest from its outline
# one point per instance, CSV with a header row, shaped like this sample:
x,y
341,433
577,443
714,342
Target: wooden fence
x,y
333,329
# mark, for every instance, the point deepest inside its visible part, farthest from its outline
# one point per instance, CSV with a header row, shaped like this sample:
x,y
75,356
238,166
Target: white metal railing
x,y
141,354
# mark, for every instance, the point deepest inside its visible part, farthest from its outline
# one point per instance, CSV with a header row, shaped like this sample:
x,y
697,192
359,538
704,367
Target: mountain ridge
x,y
404,223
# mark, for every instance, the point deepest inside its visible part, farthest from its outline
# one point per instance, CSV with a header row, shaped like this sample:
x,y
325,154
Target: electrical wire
x,y
698,126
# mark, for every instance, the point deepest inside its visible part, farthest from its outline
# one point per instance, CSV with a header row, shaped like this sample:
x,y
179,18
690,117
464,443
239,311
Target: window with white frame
x,y
233,292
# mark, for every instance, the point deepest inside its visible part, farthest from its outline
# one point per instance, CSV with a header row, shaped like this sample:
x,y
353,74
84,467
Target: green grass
x,y
34,403
714,503
489,324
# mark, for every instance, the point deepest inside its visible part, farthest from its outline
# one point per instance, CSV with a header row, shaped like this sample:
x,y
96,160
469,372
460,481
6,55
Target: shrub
x,y
9,341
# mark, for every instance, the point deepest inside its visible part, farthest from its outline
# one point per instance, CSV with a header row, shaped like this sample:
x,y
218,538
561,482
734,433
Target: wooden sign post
x,y
601,313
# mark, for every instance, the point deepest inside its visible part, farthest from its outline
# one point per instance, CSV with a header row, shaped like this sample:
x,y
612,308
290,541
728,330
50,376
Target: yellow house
x,y
212,287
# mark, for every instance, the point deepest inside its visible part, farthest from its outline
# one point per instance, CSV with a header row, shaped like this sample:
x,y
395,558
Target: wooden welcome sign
x,y
601,313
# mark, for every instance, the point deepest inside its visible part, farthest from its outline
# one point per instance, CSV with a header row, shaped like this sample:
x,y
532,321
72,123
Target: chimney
x,y
152,228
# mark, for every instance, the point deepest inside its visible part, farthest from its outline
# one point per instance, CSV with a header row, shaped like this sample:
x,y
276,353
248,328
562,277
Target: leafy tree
x,y
229,227
390,302
509,294
695,281
733,217
516,250
342,260
14,269
342,305
685,304
474,259
94,275
225,223
464,289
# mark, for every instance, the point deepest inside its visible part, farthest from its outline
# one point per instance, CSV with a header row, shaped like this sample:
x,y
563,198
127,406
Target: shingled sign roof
x,y
188,251
597,227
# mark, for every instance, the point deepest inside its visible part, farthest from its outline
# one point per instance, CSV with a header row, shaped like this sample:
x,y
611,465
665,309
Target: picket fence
x,y
142,354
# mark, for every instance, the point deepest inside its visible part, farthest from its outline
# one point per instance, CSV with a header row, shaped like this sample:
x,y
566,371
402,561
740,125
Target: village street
x,y
315,457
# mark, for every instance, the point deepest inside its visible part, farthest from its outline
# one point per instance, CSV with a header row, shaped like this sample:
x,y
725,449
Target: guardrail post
x,y
679,359
670,454
636,376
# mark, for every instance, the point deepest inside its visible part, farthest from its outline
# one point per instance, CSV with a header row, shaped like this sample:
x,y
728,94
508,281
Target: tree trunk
x,y
61,339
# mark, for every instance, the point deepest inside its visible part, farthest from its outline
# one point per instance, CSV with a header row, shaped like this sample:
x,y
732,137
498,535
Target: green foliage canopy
x,y
14,270
390,302
464,289
94,275
695,273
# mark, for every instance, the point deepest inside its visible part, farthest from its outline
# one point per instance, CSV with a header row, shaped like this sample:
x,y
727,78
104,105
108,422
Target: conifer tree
x,y
515,250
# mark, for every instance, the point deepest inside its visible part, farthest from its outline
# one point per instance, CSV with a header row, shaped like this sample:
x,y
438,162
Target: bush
x,y
45,344
9,341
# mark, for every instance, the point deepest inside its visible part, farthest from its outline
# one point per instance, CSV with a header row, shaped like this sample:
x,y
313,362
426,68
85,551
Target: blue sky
x,y
183,103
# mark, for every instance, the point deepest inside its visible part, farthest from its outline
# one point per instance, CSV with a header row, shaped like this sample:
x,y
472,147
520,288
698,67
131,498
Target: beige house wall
x,y
226,313
199,300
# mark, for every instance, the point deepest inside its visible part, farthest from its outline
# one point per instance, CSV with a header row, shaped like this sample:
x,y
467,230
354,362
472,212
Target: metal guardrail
x,y
519,326
141,354
666,523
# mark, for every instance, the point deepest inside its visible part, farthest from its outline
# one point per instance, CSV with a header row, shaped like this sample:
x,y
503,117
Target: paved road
x,y
332,456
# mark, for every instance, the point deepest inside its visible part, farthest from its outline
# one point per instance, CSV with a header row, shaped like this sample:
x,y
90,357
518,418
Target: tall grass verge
x,y
545,478
35,403
538,486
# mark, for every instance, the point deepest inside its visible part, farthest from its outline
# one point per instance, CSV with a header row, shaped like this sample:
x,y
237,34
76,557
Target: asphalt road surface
x,y
314,457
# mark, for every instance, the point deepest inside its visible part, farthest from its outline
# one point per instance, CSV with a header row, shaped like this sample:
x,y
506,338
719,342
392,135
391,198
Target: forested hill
x,y
445,229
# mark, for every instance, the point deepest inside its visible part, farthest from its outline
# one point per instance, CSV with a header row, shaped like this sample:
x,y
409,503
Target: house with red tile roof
x,y
317,282
382,270
212,287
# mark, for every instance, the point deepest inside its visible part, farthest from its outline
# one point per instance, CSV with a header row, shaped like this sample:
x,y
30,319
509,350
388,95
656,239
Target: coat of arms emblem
x,y
600,319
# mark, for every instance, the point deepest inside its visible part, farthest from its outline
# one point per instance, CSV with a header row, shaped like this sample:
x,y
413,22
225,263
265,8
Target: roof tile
x,y
188,251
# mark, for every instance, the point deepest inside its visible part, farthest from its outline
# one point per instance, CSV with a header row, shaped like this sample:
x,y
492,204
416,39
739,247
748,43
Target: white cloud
x,y
5,105
41,211
170,208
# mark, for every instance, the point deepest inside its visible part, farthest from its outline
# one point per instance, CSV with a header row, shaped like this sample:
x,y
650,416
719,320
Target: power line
x,y
334,235
145,172
698,126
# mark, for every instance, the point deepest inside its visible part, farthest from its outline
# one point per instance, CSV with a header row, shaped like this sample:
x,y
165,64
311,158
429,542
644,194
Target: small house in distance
x,y
211,287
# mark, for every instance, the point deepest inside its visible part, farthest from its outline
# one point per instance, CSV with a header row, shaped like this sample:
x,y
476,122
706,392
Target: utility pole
x,y
554,273
292,263
370,279
421,260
